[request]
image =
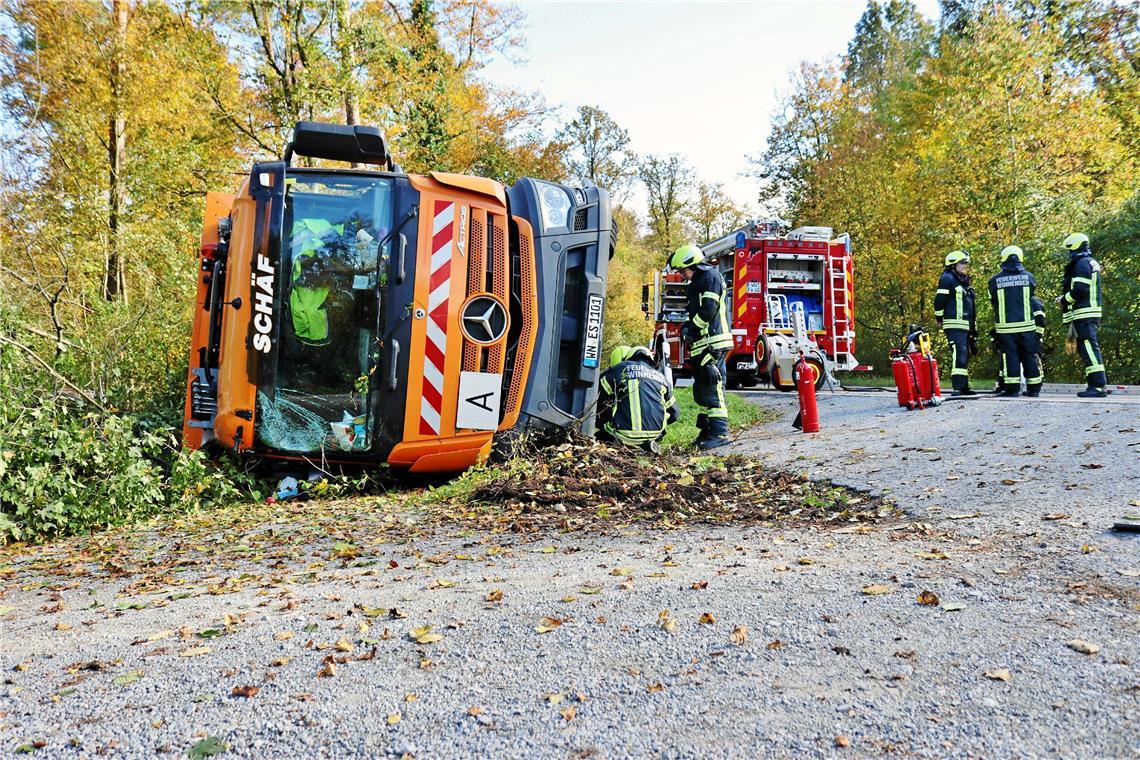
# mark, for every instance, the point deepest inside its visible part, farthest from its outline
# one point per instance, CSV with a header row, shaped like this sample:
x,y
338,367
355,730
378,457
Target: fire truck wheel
x,y
778,383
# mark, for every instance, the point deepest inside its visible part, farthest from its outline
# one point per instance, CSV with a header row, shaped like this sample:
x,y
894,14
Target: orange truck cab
x,y
368,316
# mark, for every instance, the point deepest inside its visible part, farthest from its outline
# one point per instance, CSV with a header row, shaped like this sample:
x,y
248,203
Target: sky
x,y
697,78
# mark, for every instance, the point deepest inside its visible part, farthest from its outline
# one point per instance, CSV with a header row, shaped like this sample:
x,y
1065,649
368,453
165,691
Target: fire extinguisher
x,y
804,374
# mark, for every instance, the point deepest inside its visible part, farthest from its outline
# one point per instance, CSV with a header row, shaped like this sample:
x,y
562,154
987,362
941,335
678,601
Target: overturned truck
x,y
369,316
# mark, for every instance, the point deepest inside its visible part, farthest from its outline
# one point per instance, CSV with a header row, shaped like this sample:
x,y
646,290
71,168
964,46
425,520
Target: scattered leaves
x,y
194,652
706,618
1082,646
928,598
207,747
1000,674
245,691
739,635
394,718
128,678
876,589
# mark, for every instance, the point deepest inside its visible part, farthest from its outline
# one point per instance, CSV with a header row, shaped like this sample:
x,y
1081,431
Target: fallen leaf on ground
x,y
874,589
805,560
394,718
554,697
494,595
569,598
194,651
1055,516
739,635
245,691
280,662
548,624
842,741
622,571
653,688
707,618
207,747
775,644
700,585
668,624
343,645
282,635
1082,646
568,712
474,710
128,678
953,606
928,598
1000,674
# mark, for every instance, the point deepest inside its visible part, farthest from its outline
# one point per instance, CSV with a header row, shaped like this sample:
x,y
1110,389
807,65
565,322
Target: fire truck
x,y
788,294
369,316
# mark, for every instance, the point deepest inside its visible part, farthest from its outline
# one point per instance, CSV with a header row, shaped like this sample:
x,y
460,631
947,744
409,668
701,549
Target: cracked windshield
x,y
330,261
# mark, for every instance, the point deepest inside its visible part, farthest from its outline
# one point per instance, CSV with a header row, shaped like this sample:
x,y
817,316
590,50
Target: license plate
x,y
753,287
593,344
746,365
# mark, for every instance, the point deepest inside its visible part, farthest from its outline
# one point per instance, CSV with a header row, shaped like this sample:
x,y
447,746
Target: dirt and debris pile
x,y
583,483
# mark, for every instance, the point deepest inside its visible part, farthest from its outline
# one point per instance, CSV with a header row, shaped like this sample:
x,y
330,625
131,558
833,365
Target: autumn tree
x,y
712,212
598,151
668,181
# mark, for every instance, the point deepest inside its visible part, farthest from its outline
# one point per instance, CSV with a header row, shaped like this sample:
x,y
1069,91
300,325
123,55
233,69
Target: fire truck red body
x,y
787,294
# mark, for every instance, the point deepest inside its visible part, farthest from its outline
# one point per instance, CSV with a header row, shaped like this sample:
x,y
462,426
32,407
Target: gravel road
x,y
786,643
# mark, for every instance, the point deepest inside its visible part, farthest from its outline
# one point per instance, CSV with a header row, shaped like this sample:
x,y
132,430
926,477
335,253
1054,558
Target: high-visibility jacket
x,y
639,400
954,302
1084,298
1038,315
1011,292
708,312
306,302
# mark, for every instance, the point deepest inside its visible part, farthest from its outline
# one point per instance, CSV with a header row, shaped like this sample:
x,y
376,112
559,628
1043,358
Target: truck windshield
x,y
331,257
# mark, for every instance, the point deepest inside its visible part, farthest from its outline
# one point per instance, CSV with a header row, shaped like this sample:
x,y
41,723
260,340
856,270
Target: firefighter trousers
x,y
959,358
1019,356
708,391
1089,348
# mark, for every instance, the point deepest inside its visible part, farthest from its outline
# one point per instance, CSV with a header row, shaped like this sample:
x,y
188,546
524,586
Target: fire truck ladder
x,y
841,326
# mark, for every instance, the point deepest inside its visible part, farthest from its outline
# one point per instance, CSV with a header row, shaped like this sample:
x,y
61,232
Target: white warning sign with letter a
x,y
479,396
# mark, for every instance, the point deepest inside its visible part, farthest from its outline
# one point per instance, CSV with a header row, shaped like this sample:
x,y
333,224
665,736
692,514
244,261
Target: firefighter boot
x,y
1093,392
714,435
702,422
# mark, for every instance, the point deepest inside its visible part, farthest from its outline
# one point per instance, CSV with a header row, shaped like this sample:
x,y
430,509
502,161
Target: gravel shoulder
x,y
812,644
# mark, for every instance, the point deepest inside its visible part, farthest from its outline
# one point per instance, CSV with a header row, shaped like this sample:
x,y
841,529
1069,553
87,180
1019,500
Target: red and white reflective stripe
x,y
439,290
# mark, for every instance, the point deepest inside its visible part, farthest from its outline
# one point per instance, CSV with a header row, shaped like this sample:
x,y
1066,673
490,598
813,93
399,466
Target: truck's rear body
x,y
352,316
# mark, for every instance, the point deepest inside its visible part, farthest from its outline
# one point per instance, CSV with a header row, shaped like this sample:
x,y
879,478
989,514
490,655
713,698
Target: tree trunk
x,y
114,281
344,46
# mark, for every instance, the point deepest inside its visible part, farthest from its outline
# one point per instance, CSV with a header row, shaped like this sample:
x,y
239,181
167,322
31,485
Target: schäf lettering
x,y
261,285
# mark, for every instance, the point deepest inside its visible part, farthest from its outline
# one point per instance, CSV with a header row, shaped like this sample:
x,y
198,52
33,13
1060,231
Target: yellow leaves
x,y
739,635
876,589
622,571
665,622
283,635
568,712
343,645
805,560
328,667
280,662
568,598
61,626
128,678
1082,646
928,598
195,651
411,696
549,549
706,618
394,718
424,635
554,698
494,595
590,590
442,583
653,688
999,674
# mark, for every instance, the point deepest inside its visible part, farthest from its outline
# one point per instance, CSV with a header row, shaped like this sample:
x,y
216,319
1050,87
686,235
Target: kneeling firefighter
x,y
955,311
1012,292
636,401
706,331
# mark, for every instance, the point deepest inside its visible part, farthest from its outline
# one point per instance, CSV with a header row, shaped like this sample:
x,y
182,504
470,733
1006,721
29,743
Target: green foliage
x,y
741,414
1012,123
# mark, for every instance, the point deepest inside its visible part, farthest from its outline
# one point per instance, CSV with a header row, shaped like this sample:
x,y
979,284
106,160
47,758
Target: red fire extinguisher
x,y
805,375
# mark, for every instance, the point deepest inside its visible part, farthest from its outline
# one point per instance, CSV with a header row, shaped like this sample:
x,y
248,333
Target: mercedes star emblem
x,y
484,320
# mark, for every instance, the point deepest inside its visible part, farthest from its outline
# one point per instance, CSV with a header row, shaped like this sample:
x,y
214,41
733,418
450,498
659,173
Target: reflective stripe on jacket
x,y
1084,298
708,312
640,402
954,302
1011,293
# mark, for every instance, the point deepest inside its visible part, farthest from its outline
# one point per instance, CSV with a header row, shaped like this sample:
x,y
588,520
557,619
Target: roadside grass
x,y
888,381
741,414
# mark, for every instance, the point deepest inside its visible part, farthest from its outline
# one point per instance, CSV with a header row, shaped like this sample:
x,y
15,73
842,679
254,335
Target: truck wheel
x,y
732,382
777,382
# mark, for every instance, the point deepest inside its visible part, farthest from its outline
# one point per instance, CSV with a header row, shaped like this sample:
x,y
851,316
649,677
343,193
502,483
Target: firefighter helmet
x,y
1075,241
686,256
641,353
620,354
954,257
1012,250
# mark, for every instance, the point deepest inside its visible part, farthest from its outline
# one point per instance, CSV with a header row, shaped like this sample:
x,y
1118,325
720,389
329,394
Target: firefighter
x,y
636,401
706,331
1080,301
954,309
1011,294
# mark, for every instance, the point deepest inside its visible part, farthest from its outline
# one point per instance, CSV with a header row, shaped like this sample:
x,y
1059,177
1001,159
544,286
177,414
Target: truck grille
x,y
487,272
203,396
524,321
